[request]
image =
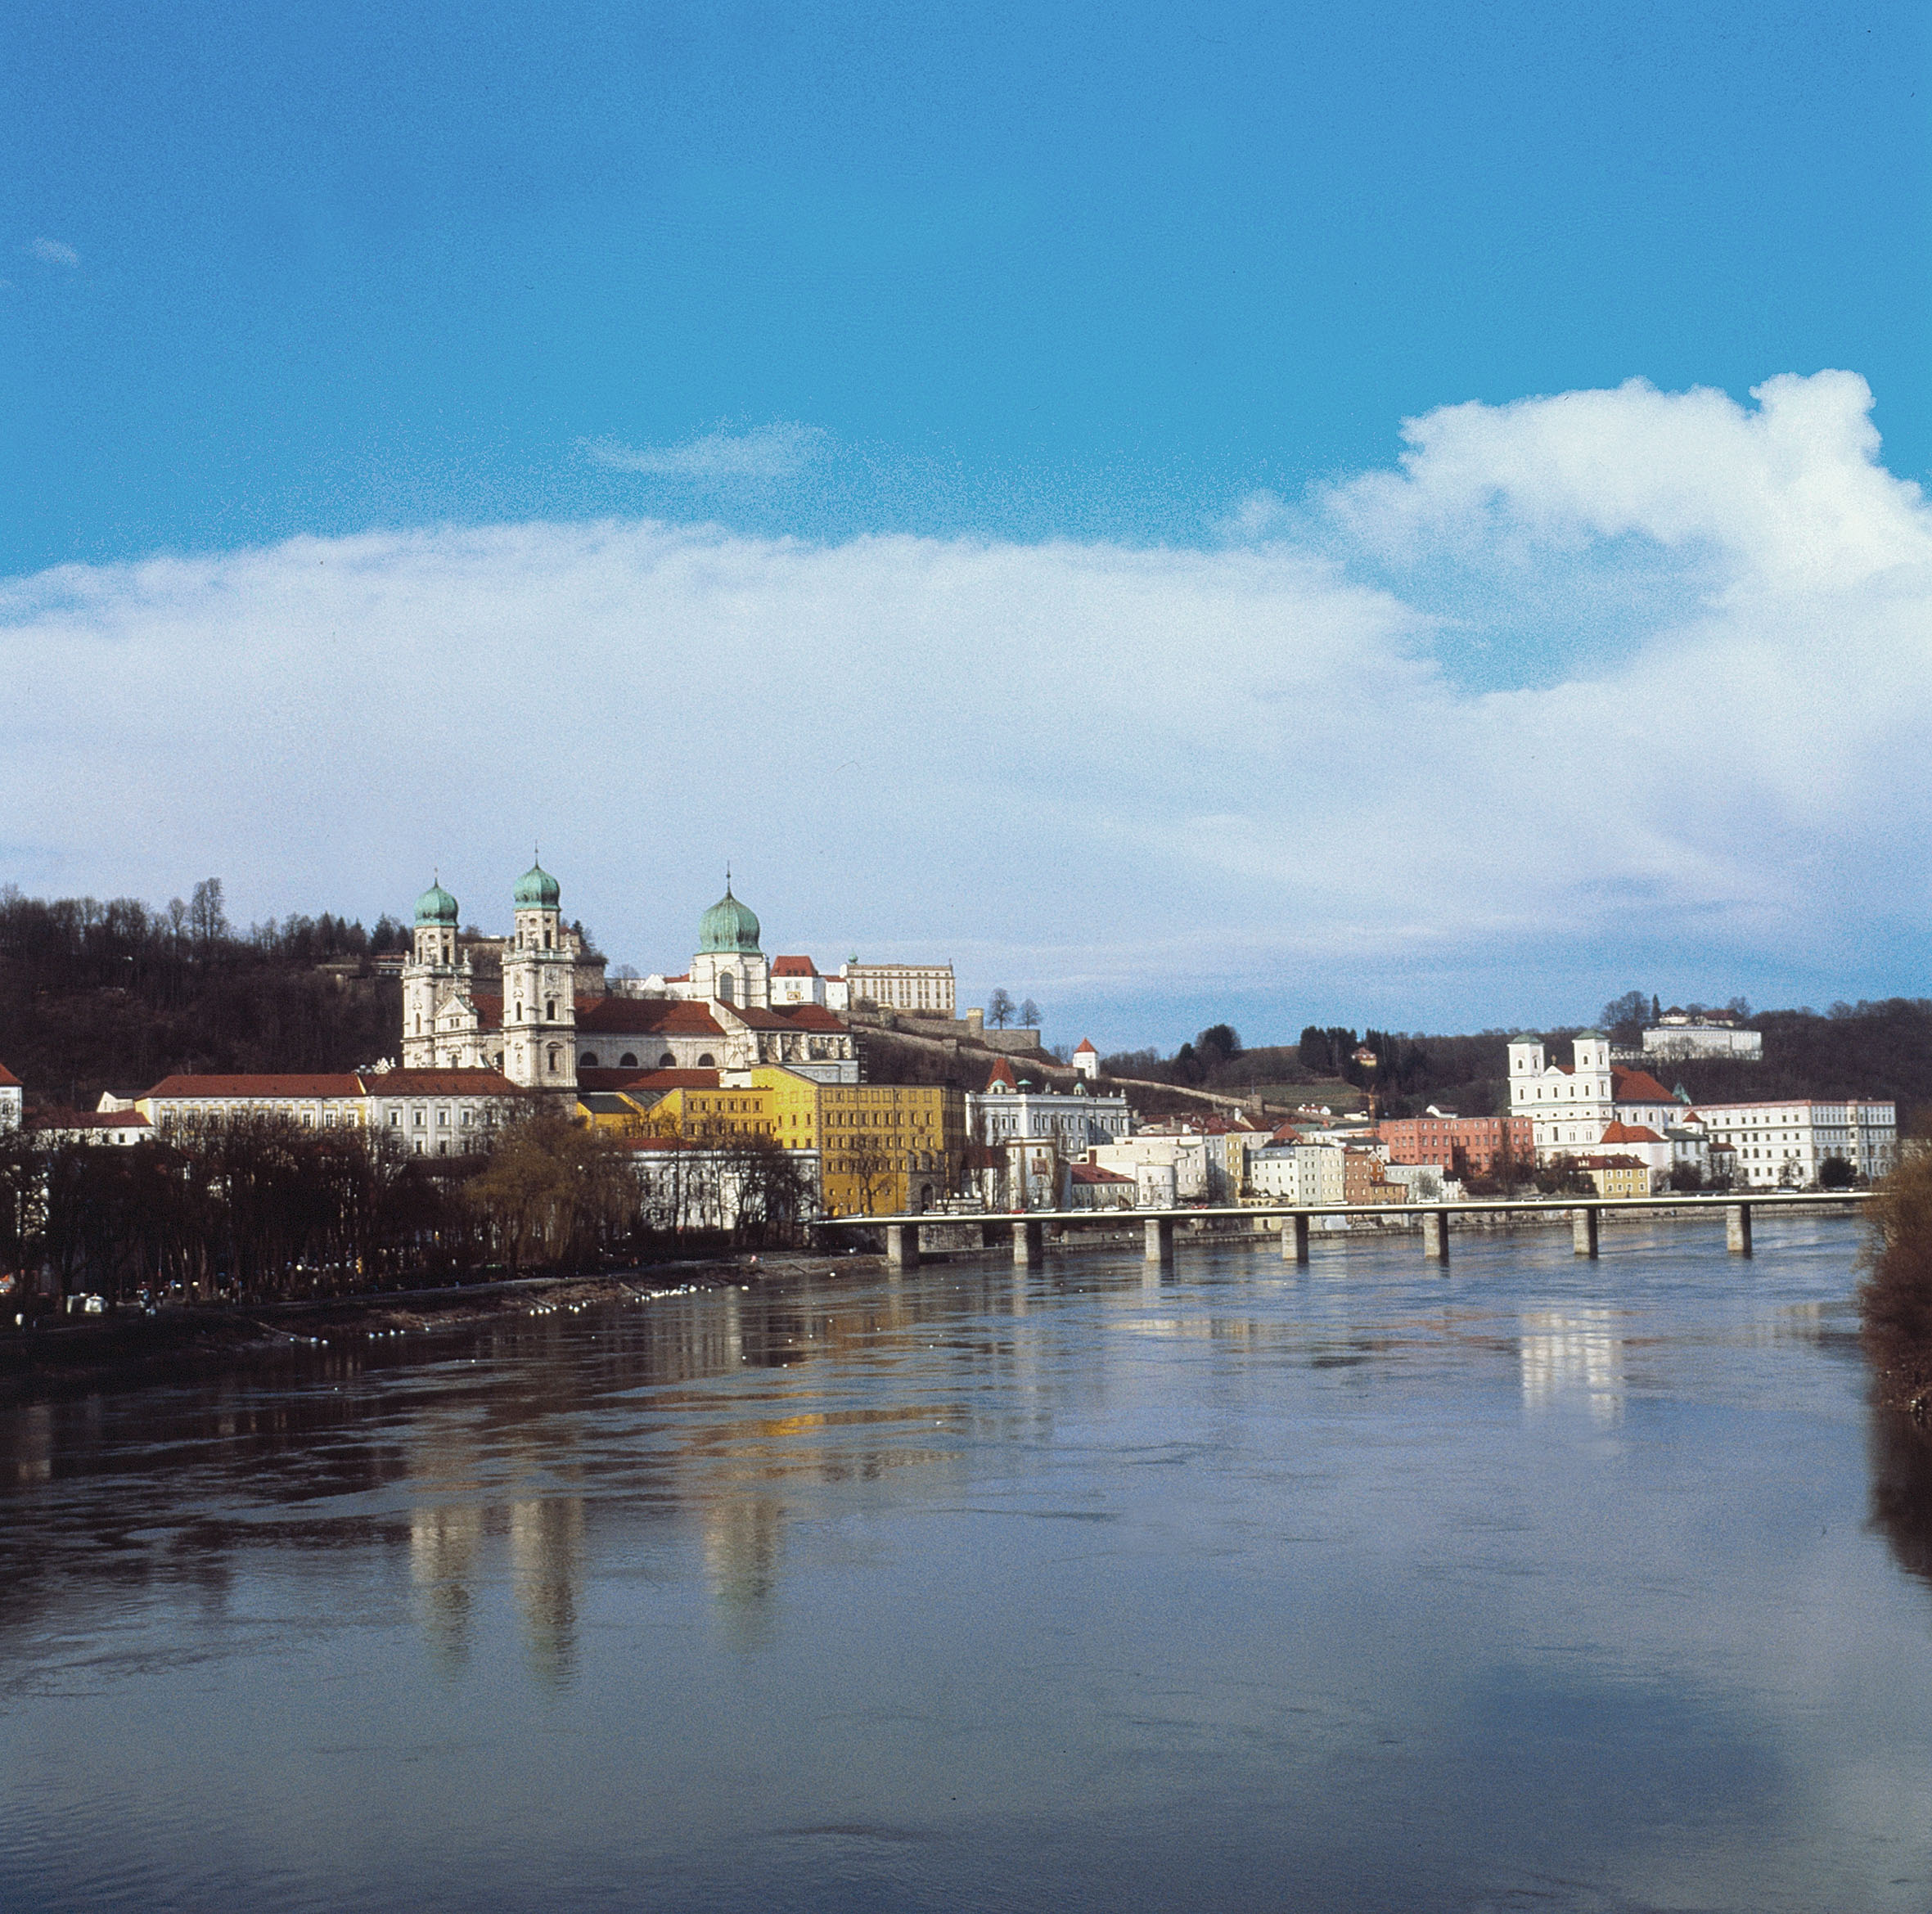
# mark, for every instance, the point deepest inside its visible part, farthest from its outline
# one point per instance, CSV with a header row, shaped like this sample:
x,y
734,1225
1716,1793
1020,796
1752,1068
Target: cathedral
x,y
536,1005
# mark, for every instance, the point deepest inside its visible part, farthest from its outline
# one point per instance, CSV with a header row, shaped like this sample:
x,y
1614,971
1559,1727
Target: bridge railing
x,y
1028,1226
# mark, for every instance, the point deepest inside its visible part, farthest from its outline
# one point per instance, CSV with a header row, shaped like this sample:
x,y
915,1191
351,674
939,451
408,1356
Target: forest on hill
x,y
115,996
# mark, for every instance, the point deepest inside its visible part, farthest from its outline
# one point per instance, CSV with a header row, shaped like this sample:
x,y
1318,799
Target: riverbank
x,y
131,1349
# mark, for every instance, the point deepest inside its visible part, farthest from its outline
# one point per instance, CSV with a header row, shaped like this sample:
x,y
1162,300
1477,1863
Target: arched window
x,y
550,1010
588,1061
706,1061
627,1061
555,1057
724,987
667,1062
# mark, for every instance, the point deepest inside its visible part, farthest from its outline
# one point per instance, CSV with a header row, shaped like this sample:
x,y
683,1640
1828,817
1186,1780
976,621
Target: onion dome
x,y
436,906
728,926
537,890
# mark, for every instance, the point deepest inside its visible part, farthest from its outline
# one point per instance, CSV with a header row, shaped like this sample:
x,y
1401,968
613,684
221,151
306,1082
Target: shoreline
x,y
134,1350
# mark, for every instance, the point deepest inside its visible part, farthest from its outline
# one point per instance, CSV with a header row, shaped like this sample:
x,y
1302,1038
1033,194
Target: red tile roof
x,y
1086,1173
644,1016
1083,1048
758,1019
646,1081
88,1119
179,1087
1002,1072
1637,1086
794,966
813,1016
489,1010
8,1080
471,1082
1623,1133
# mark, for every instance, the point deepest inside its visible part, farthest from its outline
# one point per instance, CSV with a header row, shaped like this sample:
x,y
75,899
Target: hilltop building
x,y
1680,1033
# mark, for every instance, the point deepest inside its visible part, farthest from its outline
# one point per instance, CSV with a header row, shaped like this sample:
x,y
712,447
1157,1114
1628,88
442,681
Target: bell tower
x,y
539,989
429,975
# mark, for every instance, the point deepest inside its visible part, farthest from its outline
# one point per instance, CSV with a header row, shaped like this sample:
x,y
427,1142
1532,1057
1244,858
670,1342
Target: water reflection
x,y
1037,1589
1901,1450
1573,1359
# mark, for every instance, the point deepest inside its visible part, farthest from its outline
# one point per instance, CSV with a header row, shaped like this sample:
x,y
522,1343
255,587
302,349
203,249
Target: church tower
x,y
729,967
539,989
429,976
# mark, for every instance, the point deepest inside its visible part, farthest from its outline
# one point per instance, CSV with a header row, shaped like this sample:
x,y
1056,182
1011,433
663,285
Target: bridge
x,y
1028,1228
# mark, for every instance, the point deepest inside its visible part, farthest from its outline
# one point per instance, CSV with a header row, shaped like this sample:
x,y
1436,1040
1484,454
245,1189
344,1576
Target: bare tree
x,y
1030,1015
1000,1008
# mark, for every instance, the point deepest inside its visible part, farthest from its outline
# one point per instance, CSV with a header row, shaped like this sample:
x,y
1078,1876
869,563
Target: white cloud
x,y
52,252
1080,768
761,455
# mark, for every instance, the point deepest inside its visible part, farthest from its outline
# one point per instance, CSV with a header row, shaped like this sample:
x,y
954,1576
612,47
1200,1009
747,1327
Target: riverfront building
x,y
1475,1145
12,1099
430,1112
1786,1144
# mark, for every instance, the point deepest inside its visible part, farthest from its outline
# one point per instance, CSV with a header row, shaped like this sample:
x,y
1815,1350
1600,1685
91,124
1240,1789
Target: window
x,y
588,1061
627,1061
421,1118
550,1010
395,1119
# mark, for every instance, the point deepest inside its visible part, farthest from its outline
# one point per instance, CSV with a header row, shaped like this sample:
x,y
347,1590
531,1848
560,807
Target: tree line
x,y
260,1208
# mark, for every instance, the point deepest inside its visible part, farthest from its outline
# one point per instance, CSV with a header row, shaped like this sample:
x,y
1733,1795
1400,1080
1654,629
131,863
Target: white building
x,y
1570,1105
1679,1033
1300,1173
924,989
430,1113
1785,1144
1009,1110
1087,1061
1186,1158
12,1099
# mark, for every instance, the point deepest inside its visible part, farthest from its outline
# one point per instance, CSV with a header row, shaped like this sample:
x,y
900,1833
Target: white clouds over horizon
x,y
1080,768
53,252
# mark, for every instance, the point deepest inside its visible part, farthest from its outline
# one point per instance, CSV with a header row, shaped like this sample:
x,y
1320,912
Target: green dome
x,y
728,926
435,905
537,890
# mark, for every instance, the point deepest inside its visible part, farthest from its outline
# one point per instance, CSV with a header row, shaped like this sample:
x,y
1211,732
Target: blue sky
x,y
1003,281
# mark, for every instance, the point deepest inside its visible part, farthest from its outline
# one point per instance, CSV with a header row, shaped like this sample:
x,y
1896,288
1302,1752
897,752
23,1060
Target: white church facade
x,y
548,1020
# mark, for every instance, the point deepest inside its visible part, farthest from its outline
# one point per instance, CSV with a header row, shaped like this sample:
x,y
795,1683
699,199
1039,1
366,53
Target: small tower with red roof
x,y
1087,1061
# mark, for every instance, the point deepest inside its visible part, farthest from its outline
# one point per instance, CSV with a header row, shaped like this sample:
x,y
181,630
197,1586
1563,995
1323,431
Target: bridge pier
x,y
1295,1238
1582,1232
902,1245
1160,1239
1029,1241
1435,1235
1737,1229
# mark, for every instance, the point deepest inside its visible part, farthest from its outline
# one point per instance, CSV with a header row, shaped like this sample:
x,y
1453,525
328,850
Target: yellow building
x,y
889,1147
884,1148
1619,1176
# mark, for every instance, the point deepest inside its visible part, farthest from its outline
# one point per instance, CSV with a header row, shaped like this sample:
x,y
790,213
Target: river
x,y
1538,1582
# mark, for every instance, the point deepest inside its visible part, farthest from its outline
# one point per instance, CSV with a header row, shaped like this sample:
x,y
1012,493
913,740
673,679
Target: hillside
x,y
113,997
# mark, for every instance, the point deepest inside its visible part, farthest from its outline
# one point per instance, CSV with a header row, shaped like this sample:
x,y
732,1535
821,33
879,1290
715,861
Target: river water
x,y
1540,1584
